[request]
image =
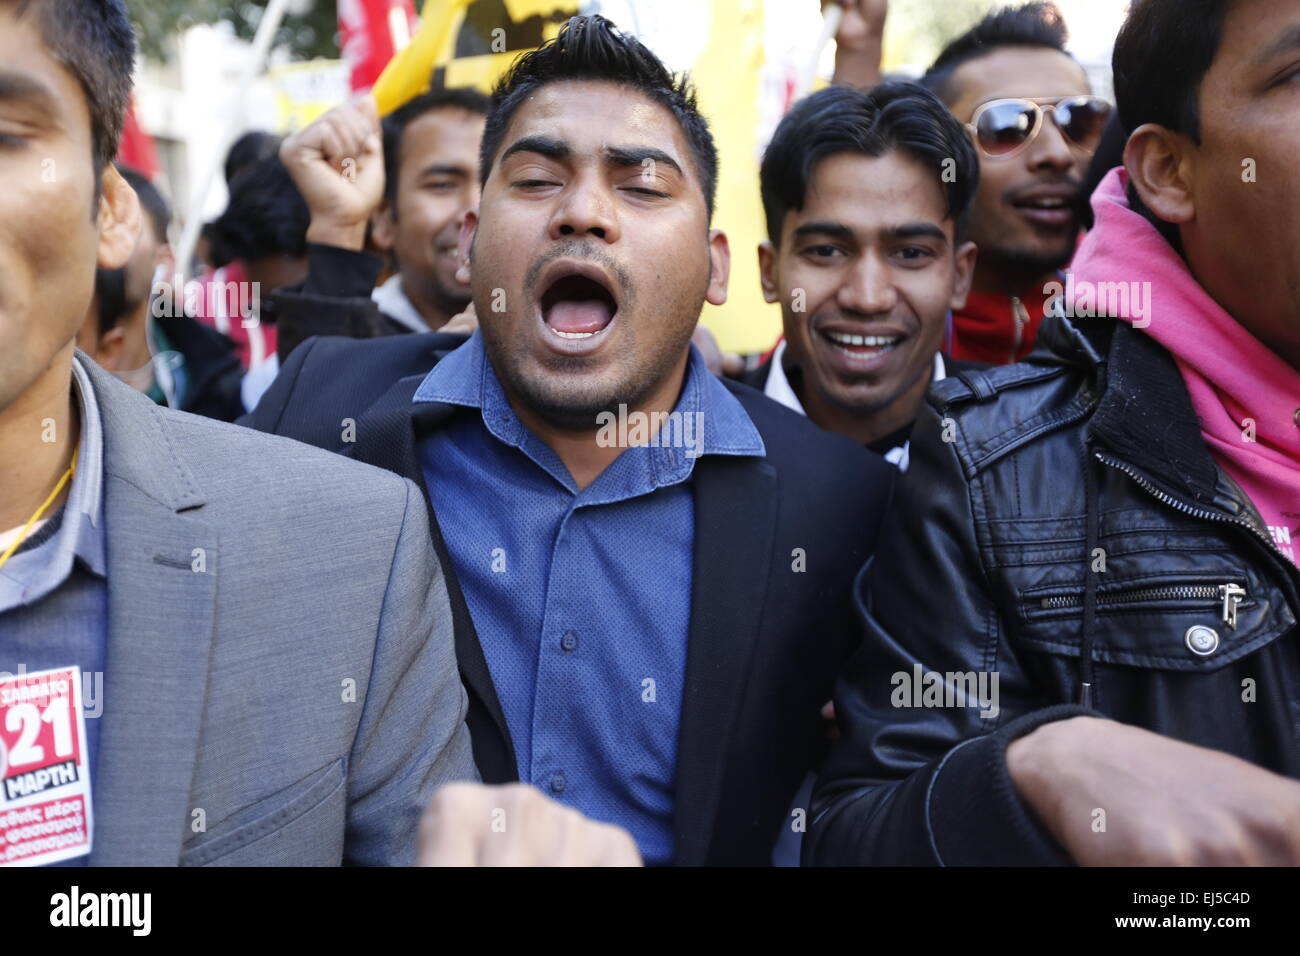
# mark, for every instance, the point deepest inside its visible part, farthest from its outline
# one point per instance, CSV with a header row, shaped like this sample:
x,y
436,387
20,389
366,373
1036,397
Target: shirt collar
x,y
83,516
711,421
30,575
778,389
396,304
778,386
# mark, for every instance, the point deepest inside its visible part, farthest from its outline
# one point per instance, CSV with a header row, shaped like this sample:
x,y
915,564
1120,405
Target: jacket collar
x,y
1143,414
162,559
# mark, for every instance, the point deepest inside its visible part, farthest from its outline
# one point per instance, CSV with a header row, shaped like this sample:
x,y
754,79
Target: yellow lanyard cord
x,y
36,516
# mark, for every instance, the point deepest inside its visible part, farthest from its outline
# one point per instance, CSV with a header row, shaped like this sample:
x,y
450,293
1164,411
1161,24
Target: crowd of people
x,y
457,540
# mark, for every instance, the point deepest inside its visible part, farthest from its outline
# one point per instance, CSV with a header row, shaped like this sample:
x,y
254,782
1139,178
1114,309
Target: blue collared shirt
x,y
581,598
54,591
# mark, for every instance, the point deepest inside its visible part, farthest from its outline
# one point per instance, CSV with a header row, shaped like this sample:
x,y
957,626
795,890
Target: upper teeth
x,y
1048,203
875,341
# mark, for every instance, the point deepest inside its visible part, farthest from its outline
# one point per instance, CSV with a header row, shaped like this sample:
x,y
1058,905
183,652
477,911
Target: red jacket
x,y
997,328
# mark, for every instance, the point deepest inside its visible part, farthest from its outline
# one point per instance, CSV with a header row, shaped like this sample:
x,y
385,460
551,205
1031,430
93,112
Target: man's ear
x,y
383,227
468,228
767,271
719,267
966,255
108,351
1159,164
119,220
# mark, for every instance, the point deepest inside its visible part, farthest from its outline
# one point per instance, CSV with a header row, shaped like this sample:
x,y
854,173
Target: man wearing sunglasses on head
x,y
1030,109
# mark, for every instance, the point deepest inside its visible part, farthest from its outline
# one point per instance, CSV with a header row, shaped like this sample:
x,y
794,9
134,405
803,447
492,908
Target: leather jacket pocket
x,y
1172,621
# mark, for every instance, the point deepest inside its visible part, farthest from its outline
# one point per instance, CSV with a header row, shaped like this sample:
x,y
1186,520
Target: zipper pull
x,y
1020,316
1232,595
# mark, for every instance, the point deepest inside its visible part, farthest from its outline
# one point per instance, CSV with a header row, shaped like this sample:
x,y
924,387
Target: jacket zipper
x,y
1191,509
1231,595
1021,317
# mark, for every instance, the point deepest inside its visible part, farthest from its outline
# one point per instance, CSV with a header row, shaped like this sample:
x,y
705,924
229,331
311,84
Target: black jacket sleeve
x,y
279,412
334,300
910,784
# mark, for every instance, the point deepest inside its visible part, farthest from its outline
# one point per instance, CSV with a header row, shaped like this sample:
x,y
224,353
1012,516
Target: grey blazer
x,y
281,686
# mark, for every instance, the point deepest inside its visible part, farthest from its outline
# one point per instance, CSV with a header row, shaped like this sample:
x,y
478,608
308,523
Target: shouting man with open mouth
x,y
647,627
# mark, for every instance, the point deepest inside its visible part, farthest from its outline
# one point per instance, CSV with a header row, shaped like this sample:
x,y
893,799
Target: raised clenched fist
x,y
338,165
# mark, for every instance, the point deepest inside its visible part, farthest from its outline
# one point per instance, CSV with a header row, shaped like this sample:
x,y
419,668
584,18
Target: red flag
x,y
137,148
370,32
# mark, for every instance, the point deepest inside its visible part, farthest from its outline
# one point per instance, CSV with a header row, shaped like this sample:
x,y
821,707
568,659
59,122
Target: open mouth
x,y
862,346
577,306
1053,206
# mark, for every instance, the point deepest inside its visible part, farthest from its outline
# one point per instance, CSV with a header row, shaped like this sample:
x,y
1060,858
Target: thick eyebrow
x,y
834,230
546,146
1289,40
915,230
18,86
636,155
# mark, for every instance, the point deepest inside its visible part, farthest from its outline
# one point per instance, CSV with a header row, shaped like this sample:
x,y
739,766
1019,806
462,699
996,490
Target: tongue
x,y
579,315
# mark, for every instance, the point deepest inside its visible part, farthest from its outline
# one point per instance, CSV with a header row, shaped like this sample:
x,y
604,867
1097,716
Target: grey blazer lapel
x,y
162,565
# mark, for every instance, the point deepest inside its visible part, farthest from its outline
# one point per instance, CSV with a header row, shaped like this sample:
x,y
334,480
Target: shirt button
x,y
569,641
557,782
1202,641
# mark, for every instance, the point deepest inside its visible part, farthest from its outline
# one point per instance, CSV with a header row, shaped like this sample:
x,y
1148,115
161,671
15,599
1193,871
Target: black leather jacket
x,y
1087,457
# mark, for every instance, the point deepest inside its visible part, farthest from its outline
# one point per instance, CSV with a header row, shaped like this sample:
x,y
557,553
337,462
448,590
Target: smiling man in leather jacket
x,y
1099,538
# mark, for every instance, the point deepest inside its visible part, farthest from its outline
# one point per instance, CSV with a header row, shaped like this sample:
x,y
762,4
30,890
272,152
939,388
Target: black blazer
x,y
778,542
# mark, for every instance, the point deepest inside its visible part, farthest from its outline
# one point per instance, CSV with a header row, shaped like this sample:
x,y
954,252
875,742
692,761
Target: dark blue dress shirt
x,y
581,598
54,590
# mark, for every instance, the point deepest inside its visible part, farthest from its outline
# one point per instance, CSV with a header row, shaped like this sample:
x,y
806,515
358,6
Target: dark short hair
x,y
151,199
110,299
592,48
266,216
452,98
252,147
892,116
1033,25
1162,54
94,41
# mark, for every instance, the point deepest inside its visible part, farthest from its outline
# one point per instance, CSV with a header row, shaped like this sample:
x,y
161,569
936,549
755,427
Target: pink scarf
x,y
1239,388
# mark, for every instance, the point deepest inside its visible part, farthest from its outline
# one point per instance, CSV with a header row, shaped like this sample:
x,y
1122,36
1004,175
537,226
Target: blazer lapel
x,y
385,431
163,560
735,524
386,436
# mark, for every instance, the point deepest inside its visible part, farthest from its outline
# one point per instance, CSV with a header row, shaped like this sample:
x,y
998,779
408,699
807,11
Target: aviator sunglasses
x,y
1003,128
